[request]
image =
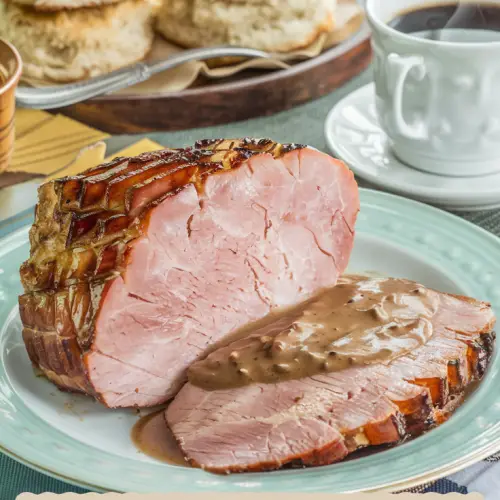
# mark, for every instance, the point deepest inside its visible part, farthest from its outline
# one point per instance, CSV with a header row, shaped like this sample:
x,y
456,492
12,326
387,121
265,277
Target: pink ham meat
x,y
320,420
138,266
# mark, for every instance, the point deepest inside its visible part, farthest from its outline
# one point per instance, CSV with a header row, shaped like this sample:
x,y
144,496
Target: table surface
x,y
303,124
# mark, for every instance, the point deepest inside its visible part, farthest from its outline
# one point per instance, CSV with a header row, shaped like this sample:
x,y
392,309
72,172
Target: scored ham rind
x,y
322,419
138,266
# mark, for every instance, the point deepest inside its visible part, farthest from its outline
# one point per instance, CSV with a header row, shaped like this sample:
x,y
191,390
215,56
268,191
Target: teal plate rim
x,y
468,253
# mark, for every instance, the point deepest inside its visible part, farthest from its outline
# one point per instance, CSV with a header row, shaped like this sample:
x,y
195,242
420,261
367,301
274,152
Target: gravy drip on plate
x,y
358,322
152,436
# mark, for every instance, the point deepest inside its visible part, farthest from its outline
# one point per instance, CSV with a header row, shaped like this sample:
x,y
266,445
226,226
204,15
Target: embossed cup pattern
x,y
438,102
452,108
463,113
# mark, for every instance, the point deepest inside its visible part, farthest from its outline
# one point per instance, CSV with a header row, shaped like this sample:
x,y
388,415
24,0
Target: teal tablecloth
x,y
302,125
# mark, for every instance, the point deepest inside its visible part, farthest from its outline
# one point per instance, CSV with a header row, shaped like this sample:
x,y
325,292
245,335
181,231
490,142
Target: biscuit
x,y
269,25
72,45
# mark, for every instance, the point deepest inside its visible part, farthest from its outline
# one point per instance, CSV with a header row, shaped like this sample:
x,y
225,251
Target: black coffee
x,y
456,22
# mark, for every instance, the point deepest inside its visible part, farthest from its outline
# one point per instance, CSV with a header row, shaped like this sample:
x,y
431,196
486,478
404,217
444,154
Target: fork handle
x,y
65,95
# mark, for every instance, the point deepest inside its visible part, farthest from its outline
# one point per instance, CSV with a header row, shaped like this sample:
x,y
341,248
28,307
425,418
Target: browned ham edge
x,y
138,266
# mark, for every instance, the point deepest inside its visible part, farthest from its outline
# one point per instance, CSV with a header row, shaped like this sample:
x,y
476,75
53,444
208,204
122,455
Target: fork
x,y
65,95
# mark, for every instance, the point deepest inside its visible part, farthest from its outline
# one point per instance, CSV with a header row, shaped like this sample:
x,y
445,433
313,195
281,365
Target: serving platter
x,y
75,439
247,95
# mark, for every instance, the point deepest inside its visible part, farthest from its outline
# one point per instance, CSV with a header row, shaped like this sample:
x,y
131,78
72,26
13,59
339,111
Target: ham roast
x,y
322,419
138,266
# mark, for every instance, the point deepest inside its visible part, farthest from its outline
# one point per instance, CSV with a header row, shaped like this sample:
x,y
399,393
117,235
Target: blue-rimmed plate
x,y
77,440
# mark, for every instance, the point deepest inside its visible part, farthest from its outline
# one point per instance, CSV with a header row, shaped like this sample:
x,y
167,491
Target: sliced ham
x,y
322,419
138,266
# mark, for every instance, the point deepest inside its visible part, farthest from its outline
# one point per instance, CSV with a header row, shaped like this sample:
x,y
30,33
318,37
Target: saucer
x,y
353,134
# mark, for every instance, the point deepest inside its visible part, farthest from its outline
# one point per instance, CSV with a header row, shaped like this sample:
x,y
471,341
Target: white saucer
x,y
354,135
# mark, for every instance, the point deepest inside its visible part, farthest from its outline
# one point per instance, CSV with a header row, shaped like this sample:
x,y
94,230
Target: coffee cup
x,y
437,78
10,72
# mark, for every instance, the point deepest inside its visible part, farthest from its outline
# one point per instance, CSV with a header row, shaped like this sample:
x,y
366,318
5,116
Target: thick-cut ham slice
x,y
322,419
138,266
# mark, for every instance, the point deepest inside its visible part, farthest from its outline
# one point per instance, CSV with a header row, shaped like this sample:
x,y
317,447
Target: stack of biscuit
x,y
69,40
269,25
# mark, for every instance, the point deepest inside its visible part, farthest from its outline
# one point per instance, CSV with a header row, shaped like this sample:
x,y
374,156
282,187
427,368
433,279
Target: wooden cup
x,y
10,72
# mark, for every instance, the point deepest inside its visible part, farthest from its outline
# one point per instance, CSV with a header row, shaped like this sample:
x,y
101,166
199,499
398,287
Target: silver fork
x,y
64,95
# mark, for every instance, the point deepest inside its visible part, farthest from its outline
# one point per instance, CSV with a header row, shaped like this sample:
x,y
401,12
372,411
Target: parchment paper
x,y
348,19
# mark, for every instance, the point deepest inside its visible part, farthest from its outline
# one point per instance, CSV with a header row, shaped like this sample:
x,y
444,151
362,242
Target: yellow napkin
x,y
29,119
94,155
142,146
88,157
47,143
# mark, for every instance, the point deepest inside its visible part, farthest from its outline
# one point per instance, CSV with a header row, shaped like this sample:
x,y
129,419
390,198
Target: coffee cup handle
x,y
401,66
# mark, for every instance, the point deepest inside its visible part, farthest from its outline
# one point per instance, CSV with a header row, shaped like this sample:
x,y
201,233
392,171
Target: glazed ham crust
x,y
323,419
139,265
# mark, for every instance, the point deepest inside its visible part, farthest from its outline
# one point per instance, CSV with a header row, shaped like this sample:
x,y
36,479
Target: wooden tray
x,y
251,95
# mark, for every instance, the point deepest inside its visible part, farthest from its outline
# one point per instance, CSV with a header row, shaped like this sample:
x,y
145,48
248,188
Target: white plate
x,y
353,134
73,438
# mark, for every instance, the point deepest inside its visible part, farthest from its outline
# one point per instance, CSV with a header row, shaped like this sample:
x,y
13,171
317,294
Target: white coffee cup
x,y
438,101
